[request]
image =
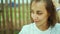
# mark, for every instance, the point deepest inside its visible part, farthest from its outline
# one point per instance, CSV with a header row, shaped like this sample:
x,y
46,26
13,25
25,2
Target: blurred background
x,y
16,13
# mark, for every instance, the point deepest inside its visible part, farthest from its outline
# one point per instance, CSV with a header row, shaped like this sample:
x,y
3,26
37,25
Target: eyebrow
x,y
39,11
36,11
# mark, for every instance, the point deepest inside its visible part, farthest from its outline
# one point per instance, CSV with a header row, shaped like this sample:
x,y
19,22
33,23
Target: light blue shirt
x,y
57,9
32,29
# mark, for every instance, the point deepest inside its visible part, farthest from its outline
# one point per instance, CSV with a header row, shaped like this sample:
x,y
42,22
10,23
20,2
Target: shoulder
x,y
57,28
57,25
26,28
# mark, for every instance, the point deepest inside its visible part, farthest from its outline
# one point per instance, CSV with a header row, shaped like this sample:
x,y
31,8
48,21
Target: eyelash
x,y
36,13
39,13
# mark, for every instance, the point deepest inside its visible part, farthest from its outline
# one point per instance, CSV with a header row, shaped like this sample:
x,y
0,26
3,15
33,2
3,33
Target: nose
x,y
35,16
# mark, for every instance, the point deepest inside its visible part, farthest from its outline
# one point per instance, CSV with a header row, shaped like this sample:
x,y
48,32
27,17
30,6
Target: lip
x,y
35,20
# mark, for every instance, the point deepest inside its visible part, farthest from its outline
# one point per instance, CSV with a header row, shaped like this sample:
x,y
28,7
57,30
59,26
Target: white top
x,y
32,29
58,8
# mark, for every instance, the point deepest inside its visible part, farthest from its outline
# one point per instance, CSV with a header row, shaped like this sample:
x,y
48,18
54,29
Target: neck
x,y
43,26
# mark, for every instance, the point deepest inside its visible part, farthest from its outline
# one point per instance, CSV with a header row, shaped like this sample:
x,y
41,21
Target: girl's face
x,y
39,12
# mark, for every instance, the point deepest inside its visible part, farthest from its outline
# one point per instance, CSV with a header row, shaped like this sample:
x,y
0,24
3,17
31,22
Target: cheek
x,y
32,16
42,17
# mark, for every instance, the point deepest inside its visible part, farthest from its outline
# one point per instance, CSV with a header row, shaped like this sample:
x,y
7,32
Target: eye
x,y
39,12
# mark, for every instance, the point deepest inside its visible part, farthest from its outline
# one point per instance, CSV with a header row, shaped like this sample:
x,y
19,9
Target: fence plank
x,y
7,17
0,17
19,15
0,22
22,21
3,27
11,22
15,13
27,12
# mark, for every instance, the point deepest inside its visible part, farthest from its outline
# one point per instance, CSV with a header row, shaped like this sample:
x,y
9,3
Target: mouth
x,y
36,20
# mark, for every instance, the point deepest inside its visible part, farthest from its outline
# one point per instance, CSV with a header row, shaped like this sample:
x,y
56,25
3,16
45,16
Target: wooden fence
x,y
13,16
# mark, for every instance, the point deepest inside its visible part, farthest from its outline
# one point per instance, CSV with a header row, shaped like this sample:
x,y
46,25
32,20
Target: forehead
x,y
38,5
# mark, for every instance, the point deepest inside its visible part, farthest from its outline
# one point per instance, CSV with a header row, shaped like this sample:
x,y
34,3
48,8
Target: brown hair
x,y
51,10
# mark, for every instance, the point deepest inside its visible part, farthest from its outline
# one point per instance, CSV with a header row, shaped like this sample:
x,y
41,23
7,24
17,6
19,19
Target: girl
x,y
43,14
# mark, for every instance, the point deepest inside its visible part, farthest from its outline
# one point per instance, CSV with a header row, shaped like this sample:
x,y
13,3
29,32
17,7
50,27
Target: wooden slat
x,y
30,14
27,12
7,17
19,15
15,24
11,22
22,23
24,16
0,21
15,13
3,27
0,17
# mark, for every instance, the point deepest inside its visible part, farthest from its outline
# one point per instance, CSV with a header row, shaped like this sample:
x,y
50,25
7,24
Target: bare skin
x,y
39,15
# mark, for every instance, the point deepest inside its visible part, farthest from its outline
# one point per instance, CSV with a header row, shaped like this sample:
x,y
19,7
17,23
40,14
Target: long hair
x,y
51,10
